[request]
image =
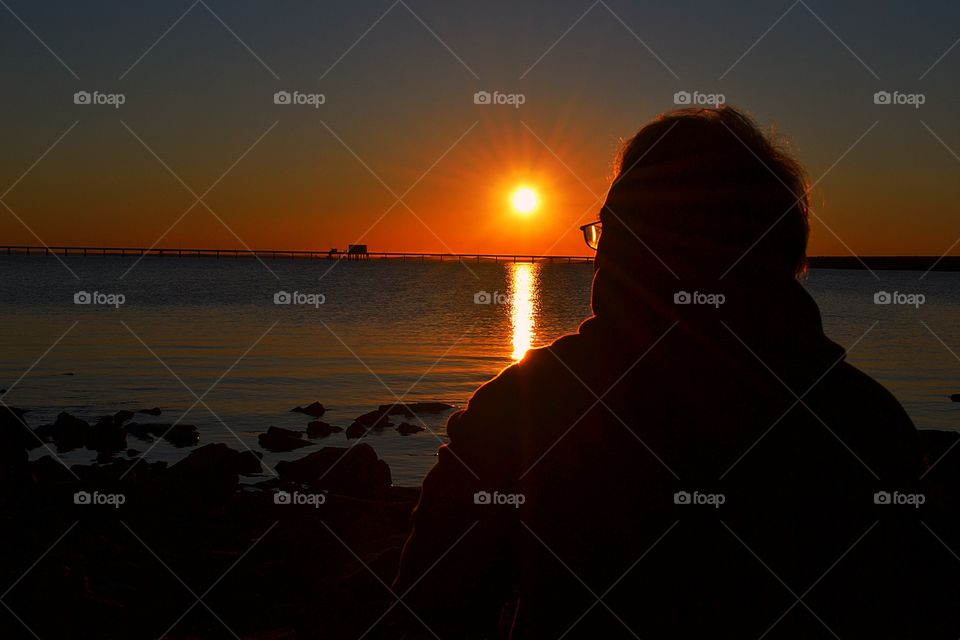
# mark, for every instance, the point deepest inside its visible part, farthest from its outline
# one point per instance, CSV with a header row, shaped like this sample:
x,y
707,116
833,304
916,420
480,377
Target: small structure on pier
x,y
357,252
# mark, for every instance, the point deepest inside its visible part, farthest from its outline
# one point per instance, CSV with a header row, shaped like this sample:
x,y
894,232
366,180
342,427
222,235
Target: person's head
x,y
705,194
701,200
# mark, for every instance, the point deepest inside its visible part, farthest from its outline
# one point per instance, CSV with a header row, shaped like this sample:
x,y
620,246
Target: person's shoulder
x,y
865,404
516,389
861,388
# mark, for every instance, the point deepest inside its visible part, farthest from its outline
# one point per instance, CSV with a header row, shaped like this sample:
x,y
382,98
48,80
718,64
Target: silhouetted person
x,y
698,456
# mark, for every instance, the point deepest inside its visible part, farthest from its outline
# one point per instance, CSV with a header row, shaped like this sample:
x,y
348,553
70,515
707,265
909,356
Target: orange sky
x,y
399,109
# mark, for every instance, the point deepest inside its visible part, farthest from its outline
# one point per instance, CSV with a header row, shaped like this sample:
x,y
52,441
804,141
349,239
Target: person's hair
x,y
708,186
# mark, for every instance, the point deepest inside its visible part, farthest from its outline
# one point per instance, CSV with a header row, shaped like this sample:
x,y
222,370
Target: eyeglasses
x,y
591,234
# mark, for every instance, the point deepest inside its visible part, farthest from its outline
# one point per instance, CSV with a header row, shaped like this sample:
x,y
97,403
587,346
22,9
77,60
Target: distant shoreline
x,y
861,263
887,263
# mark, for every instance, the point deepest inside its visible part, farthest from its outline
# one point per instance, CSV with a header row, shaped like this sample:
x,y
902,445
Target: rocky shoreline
x,y
135,549
128,546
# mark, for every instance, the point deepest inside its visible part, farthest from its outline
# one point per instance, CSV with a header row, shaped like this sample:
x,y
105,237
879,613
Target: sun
x,y
524,200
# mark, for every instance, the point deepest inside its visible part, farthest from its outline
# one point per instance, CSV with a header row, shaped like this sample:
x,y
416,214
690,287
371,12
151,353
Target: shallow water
x,y
386,330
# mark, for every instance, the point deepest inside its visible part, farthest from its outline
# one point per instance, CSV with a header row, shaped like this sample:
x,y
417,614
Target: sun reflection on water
x,y
524,298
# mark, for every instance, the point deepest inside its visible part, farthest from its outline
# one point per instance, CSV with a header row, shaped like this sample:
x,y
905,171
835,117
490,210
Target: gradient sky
x,y
400,99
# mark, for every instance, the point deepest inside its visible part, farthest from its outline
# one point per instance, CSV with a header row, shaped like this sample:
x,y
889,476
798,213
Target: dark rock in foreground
x,y
319,429
406,428
314,410
278,439
376,419
356,430
380,417
352,470
15,439
14,431
295,572
106,436
67,432
212,471
955,397
155,411
182,435
122,416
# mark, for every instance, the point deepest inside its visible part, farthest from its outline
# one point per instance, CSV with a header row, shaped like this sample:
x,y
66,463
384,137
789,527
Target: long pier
x,y
876,263
276,254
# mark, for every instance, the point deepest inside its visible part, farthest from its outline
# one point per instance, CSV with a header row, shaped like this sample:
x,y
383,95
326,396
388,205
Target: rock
x,y
319,429
406,428
314,410
430,407
278,439
210,472
67,432
105,457
132,453
376,419
398,409
139,430
955,397
122,416
356,430
106,436
14,431
249,463
354,470
179,435
48,471
151,412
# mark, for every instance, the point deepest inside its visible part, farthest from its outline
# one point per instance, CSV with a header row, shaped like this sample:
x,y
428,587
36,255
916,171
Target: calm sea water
x,y
385,330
